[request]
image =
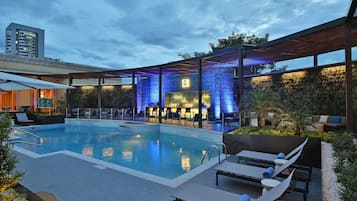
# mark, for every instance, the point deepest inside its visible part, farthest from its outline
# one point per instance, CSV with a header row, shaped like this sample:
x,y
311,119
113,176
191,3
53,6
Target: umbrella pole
x,y
35,103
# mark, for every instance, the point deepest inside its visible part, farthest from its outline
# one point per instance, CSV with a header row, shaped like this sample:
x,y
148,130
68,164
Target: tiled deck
x,y
72,179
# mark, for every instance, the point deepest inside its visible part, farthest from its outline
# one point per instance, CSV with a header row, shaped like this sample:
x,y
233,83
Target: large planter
x,y
50,119
275,144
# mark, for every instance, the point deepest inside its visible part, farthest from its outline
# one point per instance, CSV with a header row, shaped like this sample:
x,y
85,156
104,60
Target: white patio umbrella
x,y
15,82
10,82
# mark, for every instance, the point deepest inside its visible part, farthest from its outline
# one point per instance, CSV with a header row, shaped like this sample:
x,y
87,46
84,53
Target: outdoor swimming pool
x,y
160,152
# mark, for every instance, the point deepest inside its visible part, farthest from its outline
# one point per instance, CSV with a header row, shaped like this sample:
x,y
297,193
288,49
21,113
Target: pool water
x,y
147,150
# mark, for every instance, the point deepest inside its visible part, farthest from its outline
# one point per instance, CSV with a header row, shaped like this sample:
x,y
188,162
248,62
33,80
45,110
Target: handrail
x,y
34,135
224,148
207,153
24,142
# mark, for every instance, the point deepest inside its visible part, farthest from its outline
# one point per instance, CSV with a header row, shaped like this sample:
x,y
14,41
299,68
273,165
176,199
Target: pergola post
x,y
160,93
99,93
316,61
133,94
200,93
68,95
348,76
241,82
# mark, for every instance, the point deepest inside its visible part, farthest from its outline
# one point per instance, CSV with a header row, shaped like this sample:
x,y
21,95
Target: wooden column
x,y
199,93
241,82
348,77
160,93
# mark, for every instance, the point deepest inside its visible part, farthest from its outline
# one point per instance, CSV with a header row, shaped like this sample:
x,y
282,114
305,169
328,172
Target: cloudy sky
x,y
133,33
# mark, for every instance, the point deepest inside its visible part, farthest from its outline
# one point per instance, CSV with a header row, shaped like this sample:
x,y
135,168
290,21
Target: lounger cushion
x,y
268,173
281,156
244,197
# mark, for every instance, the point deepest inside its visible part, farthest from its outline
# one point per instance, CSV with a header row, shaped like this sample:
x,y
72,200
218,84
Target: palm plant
x,y
263,103
295,120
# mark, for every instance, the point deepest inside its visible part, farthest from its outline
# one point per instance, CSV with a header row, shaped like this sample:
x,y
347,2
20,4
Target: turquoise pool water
x,y
148,149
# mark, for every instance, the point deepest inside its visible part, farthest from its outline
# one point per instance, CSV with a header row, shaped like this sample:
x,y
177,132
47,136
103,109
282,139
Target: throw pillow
x,y
336,120
323,119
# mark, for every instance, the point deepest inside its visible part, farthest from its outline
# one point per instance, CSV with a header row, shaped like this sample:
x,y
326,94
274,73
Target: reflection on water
x,y
87,150
180,150
185,163
108,152
127,155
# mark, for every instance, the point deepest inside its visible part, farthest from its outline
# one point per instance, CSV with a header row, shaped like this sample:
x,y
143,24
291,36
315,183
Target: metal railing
x,y
207,154
41,139
215,147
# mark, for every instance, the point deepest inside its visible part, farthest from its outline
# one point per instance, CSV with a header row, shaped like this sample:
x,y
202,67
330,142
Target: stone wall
x,y
315,90
354,94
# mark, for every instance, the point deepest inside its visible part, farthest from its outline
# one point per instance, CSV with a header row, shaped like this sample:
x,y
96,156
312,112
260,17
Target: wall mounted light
x,y
185,83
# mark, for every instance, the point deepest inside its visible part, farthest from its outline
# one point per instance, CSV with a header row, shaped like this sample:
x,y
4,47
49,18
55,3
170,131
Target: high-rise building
x,y
24,41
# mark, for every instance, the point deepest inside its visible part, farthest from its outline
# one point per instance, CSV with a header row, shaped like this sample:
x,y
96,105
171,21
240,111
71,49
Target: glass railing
x,y
101,113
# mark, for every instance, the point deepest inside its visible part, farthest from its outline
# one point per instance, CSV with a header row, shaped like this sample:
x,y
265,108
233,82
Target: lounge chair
x,y
254,173
22,118
269,158
195,192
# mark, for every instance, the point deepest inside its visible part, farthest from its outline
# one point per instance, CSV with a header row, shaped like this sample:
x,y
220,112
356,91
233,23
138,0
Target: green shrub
x,y
348,178
9,177
346,165
250,130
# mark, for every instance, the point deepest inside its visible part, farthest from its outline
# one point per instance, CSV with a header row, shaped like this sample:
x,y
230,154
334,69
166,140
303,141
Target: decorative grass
x,y
249,130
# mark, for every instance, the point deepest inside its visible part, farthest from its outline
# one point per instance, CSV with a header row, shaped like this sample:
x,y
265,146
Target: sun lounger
x,y
22,118
195,192
254,173
269,158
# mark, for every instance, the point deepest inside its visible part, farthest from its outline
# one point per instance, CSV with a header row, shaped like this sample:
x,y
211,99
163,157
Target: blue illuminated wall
x,y
147,92
219,83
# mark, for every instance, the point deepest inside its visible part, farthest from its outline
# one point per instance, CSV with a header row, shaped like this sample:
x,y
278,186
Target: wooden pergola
x,y
339,34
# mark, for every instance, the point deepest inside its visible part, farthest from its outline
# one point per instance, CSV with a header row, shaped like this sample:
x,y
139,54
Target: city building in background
x,y
24,41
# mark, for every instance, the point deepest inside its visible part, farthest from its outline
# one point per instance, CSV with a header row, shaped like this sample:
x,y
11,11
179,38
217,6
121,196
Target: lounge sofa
x,y
328,122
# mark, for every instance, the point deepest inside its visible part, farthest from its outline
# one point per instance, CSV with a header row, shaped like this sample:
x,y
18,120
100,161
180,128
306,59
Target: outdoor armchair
x,y
22,118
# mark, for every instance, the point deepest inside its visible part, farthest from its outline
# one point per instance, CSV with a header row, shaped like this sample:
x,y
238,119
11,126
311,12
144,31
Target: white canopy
x,y
16,82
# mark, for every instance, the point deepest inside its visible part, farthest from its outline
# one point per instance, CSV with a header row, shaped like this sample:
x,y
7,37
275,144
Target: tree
x,y
236,39
8,178
233,39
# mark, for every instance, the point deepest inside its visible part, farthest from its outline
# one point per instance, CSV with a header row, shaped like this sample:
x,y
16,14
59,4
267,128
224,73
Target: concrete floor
x,y
72,179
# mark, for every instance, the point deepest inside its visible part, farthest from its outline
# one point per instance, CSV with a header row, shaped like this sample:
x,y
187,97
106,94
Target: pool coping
x,y
173,183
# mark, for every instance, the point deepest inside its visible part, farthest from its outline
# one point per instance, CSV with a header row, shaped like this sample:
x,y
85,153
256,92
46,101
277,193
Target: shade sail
x,y
15,82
